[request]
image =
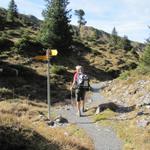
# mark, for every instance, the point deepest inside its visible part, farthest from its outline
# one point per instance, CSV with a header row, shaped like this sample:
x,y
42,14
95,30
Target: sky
x,y
129,17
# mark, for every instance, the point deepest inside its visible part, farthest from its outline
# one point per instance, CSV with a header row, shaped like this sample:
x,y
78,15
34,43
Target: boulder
x,y
142,123
144,100
61,120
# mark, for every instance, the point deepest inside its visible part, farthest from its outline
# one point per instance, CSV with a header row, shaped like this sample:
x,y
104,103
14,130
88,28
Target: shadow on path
x,y
115,107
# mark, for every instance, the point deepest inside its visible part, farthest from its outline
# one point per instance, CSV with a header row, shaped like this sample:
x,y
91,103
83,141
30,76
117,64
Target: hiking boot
x,y
84,109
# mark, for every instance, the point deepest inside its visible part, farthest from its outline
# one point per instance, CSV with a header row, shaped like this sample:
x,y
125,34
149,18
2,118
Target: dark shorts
x,y
80,94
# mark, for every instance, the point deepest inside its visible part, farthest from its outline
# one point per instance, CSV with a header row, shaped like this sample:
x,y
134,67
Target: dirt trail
x,y
104,138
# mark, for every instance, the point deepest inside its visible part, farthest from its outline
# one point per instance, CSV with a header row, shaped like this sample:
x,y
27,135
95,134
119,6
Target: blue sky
x,y
130,17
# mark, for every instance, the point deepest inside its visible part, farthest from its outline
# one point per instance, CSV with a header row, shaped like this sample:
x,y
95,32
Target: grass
x,y
26,130
107,114
134,138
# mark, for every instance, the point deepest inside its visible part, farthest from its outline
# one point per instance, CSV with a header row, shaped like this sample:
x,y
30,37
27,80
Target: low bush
x,y
144,70
22,44
124,75
29,47
5,44
57,69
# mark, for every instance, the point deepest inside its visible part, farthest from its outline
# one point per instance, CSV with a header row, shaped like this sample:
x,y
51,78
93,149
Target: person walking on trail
x,y
81,84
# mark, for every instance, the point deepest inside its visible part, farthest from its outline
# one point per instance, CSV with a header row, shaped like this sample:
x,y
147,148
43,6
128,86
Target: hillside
x,y
19,44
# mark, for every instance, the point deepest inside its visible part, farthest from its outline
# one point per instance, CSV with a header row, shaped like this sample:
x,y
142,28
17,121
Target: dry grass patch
x,y
23,123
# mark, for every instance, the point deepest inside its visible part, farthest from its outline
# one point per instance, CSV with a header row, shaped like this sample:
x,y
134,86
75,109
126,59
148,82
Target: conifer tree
x,y
56,30
114,38
145,60
2,24
12,11
81,21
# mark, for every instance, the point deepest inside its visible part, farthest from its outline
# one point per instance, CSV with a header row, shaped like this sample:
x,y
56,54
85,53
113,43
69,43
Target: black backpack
x,y
82,81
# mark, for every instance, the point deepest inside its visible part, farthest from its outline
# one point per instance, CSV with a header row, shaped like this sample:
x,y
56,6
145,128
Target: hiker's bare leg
x,y
78,107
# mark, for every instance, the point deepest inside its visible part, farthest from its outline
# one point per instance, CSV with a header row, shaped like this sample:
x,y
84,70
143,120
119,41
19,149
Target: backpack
x,y
82,81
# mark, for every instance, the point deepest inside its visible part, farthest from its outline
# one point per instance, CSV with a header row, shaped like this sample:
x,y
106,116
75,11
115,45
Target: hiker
x,y
81,84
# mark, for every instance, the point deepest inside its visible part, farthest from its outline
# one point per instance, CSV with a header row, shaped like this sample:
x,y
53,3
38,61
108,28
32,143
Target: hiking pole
x,y
71,98
72,101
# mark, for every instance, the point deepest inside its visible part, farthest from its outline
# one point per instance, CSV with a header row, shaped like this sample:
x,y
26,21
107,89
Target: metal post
x,y
48,82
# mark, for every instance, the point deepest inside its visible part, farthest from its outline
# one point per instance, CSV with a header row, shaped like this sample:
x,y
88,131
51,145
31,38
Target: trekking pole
x,y
71,98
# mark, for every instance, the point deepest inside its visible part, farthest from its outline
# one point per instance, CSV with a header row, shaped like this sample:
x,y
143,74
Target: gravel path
x,y
103,138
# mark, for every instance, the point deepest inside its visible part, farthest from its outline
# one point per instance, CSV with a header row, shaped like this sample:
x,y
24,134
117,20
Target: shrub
x,y
57,69
29,47
124,75
22,44
4,92
143,69
5,43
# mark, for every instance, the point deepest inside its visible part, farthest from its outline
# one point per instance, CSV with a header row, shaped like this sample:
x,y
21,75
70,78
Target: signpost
x,y
49,54
48,82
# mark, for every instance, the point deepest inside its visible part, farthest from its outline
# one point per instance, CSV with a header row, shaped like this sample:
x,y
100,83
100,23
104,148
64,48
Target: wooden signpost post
x,y
49,54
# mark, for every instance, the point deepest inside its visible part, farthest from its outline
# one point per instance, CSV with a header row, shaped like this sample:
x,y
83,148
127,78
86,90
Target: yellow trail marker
x,y
52,52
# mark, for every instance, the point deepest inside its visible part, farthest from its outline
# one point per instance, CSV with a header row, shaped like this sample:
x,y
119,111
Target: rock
x,y
140,113
90,100
105,84
50,123
148,107
61,120
142,123
144,100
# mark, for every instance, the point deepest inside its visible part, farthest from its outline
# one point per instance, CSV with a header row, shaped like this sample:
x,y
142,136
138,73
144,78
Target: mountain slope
x,y
18,45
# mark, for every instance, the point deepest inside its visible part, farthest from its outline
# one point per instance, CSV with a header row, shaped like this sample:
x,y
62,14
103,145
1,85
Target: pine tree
x,y
80,13
2,24
56,30
12,12
114,38
146,56
145,59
